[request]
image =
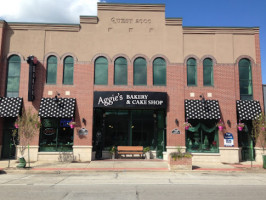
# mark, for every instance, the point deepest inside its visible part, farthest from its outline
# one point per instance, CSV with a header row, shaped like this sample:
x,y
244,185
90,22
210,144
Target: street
x,y
134,185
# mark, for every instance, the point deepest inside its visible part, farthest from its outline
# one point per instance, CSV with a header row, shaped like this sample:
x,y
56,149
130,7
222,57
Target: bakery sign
x,y
152,100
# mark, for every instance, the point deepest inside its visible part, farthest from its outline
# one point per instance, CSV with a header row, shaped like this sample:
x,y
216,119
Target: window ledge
x,y
206,154
54,153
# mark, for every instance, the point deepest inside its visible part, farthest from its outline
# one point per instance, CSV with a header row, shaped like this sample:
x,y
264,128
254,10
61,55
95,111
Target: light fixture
x,y
84,121
229,123
176,122
56,98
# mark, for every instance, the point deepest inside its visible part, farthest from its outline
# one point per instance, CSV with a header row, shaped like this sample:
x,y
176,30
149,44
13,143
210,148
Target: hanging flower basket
x,y
187,125
240,126
220,125
72,124
263,128
16,125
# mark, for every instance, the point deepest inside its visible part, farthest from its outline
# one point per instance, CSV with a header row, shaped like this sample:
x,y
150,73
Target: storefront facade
x,y
130,77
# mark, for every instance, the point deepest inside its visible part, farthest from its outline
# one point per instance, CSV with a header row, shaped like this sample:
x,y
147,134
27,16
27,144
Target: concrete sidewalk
x,y
120,165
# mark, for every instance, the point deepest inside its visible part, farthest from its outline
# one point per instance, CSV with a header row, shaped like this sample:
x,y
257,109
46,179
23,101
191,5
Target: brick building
x,y
130,76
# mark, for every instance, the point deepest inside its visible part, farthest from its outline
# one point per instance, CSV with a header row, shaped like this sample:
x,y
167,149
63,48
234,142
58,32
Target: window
x,y
101,71
245,80
120,71
202,137
56,135
13,76
207,72
68,70
191,72
140,71
51,72
159,71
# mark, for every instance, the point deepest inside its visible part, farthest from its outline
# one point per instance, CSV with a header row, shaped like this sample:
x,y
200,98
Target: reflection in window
x,y
56,135
101,71
207,72
120,77
140,71
51,72
68,70
191,72
245,79
13,76
159,71
202,137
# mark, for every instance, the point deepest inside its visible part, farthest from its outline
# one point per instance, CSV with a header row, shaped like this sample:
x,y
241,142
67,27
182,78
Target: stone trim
x,y
101,55
131,7
192,56
16,53
88,20
247,57
221,30
160,56
68,54
121,55
209,56
46,56
173,21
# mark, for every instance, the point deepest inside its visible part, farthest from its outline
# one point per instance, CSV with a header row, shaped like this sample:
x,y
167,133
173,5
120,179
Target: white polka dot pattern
x,y
63,108
248,109
10,106
196,109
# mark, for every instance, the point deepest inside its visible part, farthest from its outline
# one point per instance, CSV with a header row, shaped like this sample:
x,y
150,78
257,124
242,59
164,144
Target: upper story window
x,y
207,72
13,76
159,71
101,71
191,72
120,77
51,72
140,71
245,79
68,71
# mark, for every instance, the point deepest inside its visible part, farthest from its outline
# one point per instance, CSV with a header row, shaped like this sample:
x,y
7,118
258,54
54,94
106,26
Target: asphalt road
x,y
133,185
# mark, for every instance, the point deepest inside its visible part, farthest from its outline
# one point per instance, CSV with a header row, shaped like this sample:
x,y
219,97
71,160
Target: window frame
x,y
64,70
156,82
249,81
195,71
47,70
205,66
136,65
18,65
101,66
115,70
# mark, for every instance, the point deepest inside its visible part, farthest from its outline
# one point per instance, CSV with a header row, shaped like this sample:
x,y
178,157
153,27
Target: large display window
x,y
56,135
202,137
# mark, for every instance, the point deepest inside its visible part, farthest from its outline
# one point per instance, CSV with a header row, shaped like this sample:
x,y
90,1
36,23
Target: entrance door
x,y
8,149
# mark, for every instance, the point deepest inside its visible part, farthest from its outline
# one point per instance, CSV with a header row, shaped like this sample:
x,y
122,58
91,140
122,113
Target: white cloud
x,y
48,11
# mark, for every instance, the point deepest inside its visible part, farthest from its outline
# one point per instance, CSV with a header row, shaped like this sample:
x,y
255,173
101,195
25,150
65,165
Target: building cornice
x,y
88,20
44,26
221,30
173,21
2,23
131,7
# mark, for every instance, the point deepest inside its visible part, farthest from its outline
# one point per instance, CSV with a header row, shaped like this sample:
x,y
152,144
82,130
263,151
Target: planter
x,y
180,163
22,163
113,156
147,155
220,128
240,128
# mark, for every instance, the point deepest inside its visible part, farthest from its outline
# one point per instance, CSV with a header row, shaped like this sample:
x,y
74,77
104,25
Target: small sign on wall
x,y
228,140
176,131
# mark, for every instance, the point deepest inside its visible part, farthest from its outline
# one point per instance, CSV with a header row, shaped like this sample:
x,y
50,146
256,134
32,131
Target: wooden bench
x,y
130,150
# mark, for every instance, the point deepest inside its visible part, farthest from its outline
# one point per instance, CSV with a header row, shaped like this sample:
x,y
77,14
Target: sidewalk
x,y
121,165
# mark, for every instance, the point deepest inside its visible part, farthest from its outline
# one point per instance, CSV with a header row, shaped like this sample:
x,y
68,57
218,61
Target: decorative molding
x,y
174,21
191,56
131,7
101,55
44,26
89,20
68,54
221,30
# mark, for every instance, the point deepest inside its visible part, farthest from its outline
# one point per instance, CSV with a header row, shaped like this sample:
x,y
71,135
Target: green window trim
x,y
120,72
68,74
140,72
208,72
101,71
51,72
245,79
13,76
159,72
191,72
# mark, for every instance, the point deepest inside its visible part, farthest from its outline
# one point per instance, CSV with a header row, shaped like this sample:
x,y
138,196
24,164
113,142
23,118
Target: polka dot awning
x,y
57,108
10,106
196,109
248,109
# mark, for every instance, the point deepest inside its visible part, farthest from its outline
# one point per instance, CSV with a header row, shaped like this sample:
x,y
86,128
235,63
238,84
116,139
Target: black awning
x,y
197,109
57,108
248,109
10,106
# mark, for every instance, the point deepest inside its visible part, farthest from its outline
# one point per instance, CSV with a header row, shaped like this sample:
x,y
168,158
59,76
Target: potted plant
x,y
112,152
27,126
240,126
72,123
220,125
180,160
187,125
147,153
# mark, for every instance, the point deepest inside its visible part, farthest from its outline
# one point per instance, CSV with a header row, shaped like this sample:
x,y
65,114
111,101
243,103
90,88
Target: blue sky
x,y
243,13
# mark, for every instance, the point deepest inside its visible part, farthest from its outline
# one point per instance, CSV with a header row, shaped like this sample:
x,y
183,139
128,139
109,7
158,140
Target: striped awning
x,y
248,109
197,109
10,106
57,107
